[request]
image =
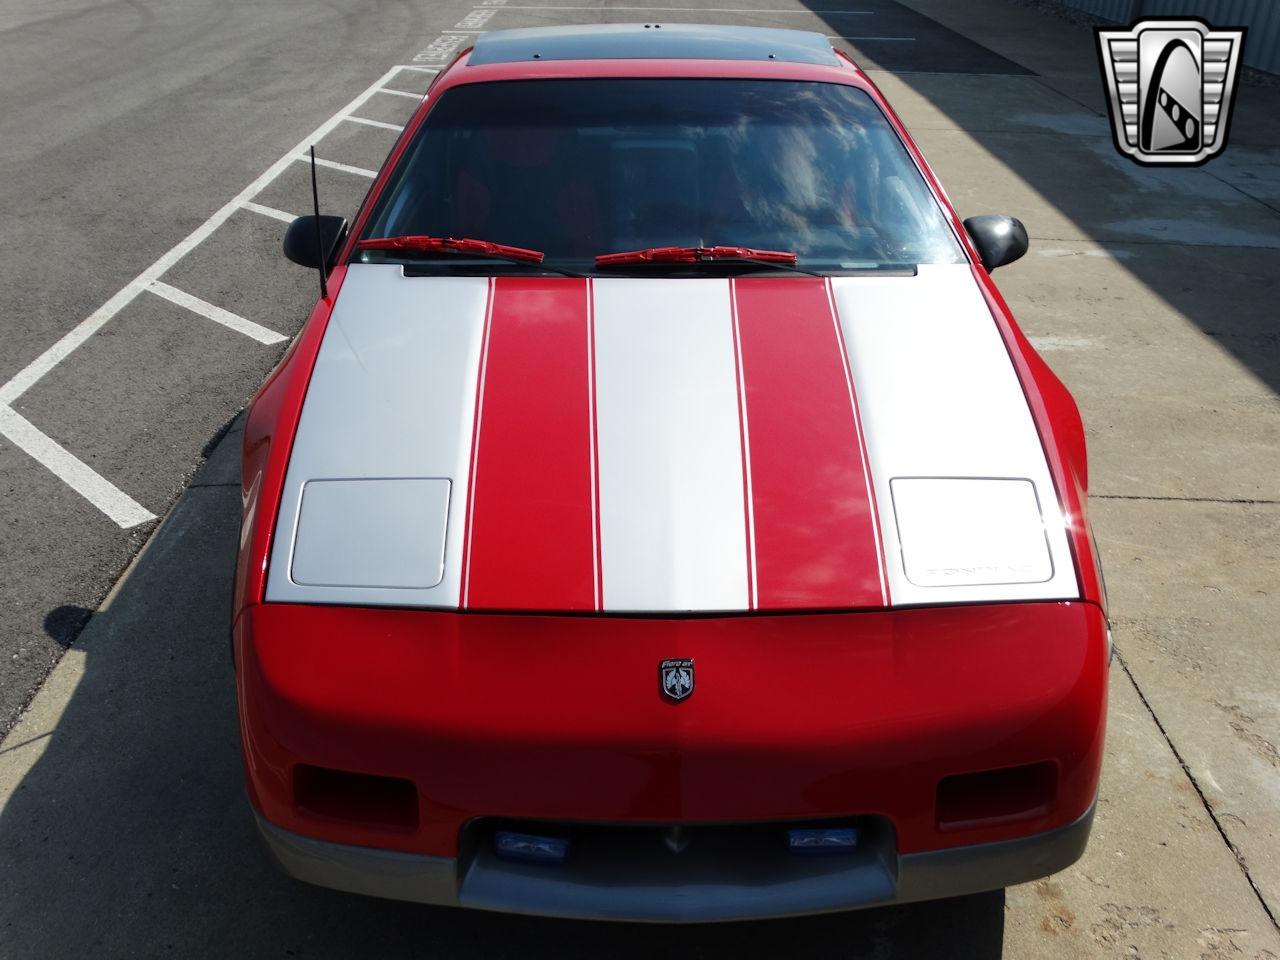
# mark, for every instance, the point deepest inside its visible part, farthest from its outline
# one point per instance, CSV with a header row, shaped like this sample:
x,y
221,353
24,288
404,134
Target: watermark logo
x,y
1170,86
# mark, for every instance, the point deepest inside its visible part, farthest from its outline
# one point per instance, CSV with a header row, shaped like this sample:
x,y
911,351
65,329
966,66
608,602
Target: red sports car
x,y
661,515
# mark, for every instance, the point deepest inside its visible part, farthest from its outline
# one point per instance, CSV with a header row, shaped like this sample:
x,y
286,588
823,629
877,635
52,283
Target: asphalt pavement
x,y
145,168
123,126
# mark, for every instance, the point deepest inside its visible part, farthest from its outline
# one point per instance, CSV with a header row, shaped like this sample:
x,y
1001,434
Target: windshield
x,y
579,168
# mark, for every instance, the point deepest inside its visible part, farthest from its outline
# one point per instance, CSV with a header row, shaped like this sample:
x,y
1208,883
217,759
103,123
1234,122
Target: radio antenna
x,y
321,257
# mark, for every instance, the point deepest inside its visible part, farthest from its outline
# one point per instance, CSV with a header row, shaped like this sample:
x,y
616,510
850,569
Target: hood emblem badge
x,y
675,678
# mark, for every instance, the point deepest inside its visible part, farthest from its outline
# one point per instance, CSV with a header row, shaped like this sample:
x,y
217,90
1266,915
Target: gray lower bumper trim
x,y
990,866
425,879
368,870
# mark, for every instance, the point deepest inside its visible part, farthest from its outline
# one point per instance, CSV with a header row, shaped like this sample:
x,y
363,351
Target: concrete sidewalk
x,y
123,827
1152,293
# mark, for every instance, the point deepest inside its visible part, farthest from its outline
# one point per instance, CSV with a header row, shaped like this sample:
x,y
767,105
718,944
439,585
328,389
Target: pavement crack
x,y
25,743
1066,96
1151,242
1239,500
1204,801
1244,193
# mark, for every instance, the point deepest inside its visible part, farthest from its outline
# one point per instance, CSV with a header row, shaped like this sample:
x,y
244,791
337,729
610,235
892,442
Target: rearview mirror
x,y
999,239
300,239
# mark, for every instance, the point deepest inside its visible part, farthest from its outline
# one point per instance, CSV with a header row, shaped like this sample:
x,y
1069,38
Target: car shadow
x,y
1203,242
125,831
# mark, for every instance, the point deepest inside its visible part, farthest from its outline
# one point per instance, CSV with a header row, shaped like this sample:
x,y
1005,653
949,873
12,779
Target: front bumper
x,y
812,717
819,885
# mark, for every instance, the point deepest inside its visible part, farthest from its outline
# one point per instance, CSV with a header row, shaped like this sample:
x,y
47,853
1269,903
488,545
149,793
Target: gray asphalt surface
x,y
123,827
123,125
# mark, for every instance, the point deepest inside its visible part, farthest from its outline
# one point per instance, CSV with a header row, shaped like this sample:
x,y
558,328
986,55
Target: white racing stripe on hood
x,y
392,395
672,522
948,433
939,398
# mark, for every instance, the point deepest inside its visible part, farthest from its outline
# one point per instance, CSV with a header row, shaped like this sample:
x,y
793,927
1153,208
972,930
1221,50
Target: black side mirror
x,y
300,239
999,239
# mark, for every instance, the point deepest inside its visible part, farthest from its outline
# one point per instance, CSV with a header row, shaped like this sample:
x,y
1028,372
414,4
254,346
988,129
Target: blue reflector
x,y
828,839
526,846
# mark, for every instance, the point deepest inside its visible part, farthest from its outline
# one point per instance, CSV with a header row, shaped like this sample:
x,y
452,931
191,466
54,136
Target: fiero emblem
x,y
675,678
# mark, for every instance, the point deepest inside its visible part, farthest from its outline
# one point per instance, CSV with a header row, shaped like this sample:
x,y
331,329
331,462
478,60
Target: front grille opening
x,y
387,803
683,871
994,797
732,841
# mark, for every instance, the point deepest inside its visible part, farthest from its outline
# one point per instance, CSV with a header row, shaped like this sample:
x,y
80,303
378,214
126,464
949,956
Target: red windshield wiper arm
x,y
447,245
696,255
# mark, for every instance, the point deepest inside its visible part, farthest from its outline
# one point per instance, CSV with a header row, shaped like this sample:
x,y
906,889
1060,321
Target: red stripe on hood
x,y
531,542
816,536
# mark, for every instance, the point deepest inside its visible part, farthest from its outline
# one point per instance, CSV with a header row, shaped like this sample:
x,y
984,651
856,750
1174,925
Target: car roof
x,y
652,41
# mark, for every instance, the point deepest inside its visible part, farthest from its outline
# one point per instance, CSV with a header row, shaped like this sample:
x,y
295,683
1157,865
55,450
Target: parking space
x,y
884,35
119,408
140,418
275,294
877,33
121,810
361,145
390,108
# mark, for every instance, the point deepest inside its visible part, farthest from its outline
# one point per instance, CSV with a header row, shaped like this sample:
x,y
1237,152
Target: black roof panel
x,y
652,41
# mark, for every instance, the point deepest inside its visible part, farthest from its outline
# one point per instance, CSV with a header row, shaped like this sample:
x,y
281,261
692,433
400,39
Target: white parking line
x,y
375,123
71,470
335,165
216,314
55,354
400,93
539,6
269,211
97,490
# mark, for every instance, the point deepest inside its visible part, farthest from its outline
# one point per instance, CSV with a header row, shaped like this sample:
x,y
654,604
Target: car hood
x,y
666,446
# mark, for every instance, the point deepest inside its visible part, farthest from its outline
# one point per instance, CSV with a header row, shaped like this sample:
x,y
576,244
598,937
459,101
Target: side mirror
x,y
999,239
300,239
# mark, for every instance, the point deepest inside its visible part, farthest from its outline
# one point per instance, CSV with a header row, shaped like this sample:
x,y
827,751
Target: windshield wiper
x,y
774,259
419,246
